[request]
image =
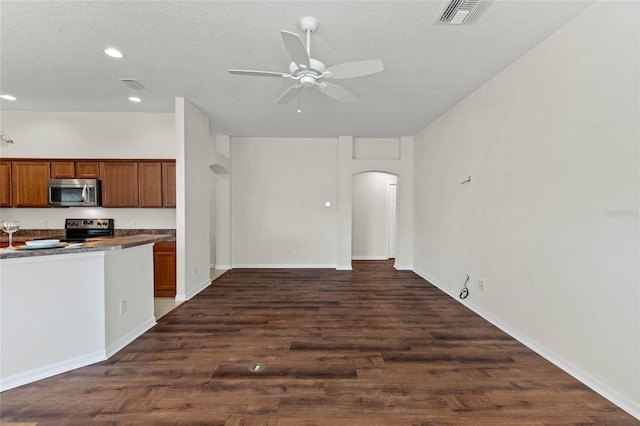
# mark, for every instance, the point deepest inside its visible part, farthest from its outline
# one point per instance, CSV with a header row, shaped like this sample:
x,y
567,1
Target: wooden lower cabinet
x,y
164,269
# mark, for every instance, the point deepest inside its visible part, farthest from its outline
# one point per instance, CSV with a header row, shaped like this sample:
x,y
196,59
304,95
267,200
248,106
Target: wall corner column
x,y
345,181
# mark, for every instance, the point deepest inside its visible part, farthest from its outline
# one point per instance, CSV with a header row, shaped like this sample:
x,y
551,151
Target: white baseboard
x,y
627,404
51,370
344,268
130,337
403,267
222,267
369,258
284,266
198,289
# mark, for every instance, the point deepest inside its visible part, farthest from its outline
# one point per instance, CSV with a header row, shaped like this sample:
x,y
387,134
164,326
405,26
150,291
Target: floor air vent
x,y
463,11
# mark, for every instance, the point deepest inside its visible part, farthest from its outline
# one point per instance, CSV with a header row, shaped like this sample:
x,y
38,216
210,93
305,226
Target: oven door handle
x,y
85,195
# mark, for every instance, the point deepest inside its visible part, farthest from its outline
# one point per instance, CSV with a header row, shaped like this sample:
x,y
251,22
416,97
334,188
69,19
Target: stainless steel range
x,y
78,230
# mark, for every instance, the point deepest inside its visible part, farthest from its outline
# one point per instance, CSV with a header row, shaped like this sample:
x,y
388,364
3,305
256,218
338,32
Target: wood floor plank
x,y
374,346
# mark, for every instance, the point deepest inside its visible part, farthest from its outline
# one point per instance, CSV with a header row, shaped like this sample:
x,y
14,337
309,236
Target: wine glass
x,y
10,226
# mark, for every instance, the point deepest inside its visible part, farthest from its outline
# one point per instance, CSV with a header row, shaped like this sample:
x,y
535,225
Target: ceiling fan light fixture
x,y
307,81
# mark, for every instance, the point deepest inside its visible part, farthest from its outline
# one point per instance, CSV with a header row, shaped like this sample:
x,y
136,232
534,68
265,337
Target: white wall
x,y
192,209
370,215
89,135
550,219
278,192
222,180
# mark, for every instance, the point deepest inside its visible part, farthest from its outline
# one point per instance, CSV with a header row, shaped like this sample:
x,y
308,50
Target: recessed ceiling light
x,y
8,97
134,99
114,53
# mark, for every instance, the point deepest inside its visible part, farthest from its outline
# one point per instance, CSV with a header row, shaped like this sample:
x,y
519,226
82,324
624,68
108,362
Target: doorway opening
x,y
374,216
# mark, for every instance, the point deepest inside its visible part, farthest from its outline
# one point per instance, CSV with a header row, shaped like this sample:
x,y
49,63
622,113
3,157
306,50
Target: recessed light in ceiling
x,y
134,99
8,97
114,53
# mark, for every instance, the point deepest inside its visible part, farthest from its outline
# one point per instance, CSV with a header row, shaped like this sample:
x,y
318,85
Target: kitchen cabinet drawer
x,y
29,183
164,269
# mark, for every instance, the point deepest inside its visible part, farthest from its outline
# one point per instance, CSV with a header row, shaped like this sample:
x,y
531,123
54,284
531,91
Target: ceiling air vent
x,y
131,82
463,11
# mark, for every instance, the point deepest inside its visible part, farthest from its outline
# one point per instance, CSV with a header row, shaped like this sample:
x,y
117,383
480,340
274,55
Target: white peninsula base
x,y
65,311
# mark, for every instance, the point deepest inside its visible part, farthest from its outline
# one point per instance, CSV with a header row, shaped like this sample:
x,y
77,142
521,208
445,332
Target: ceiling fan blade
x,y
259,73
296,49
290,94
336,92
356,69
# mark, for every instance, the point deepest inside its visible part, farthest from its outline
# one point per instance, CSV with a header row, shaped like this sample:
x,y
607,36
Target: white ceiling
x,y
52,59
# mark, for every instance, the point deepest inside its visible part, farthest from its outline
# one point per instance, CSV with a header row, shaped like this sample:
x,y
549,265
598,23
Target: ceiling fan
x,y
309,72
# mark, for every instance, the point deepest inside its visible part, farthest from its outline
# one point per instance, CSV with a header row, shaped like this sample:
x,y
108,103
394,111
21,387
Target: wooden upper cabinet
x,y
150,184
29,183
87,170
5,183
169,184
119,183
63,170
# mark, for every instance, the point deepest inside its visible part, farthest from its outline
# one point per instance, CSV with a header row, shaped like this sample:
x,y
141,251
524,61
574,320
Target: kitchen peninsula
x,y
64,308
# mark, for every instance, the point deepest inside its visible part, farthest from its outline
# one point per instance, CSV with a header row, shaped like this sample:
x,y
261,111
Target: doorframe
x,y
389,245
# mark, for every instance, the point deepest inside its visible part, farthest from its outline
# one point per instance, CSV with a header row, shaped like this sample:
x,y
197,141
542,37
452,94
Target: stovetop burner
x,y
78,230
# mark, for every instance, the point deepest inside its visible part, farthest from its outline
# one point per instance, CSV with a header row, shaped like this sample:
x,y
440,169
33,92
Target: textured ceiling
x,y
52,59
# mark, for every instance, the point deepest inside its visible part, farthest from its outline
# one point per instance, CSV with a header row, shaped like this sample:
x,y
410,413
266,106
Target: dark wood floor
x,y
374,346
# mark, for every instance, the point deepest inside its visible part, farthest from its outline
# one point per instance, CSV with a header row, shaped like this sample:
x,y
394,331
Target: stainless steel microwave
x,y
74,192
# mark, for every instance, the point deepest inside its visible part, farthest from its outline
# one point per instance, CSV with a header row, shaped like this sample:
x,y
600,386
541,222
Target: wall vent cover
x,y
131,82
463,11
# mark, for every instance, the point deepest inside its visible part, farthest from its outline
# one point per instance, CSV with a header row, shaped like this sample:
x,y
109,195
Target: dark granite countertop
x,y
95,244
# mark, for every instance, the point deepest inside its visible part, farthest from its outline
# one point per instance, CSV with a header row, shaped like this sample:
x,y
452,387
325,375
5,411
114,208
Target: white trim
x,y
119,344
403,268
285,266
181,298
202,286
344,268
222,267
630,406
51,370
369,258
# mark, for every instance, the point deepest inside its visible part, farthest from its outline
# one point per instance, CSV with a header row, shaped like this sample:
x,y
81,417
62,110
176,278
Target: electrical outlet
x,y
123,307
481,285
